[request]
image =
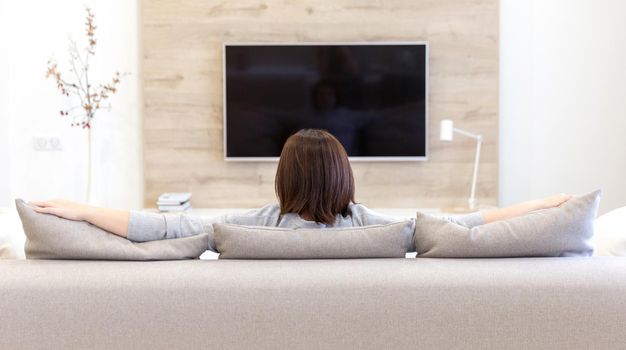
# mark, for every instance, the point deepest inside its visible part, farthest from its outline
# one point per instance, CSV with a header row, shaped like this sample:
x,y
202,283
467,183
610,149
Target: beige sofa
x,y
525,303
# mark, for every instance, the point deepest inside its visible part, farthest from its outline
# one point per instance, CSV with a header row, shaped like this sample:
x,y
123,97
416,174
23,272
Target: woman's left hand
x,y
554,200
525,207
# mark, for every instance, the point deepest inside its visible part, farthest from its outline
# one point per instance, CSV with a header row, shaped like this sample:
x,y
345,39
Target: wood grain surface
x,y
182,90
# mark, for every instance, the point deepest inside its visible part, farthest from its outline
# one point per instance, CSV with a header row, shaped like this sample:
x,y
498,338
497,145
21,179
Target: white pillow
x,y
12,236
610,233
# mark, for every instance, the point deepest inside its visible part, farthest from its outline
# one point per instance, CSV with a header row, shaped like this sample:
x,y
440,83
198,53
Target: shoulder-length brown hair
x,y
314,176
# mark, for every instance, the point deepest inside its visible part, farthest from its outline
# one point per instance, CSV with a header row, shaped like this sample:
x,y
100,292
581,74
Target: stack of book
x,y
174,201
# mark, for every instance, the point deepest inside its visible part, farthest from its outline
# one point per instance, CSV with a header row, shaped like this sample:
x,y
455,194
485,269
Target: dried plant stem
x,y
89,170
91,98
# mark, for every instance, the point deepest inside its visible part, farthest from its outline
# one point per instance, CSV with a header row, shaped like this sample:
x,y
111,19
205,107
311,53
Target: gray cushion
x,y
51,237
561,231
257,242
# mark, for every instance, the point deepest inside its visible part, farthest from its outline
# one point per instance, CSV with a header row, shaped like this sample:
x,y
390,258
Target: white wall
x,y
32,32
5,180
563,99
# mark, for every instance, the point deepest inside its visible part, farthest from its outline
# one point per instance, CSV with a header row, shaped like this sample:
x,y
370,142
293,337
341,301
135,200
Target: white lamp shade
x,y
447,130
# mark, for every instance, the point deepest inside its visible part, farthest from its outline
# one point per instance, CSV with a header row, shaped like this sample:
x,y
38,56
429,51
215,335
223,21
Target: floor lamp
x,y
447,134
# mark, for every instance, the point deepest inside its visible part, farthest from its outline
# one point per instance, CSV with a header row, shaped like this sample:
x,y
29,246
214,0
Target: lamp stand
x,y
472,199
479,141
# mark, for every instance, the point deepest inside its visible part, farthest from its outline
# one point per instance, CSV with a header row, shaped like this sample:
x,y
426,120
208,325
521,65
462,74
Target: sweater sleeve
x,y
468,220
143,226
362,215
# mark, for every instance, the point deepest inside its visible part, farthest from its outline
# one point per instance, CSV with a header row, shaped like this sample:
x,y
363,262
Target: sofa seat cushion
x,y
521,303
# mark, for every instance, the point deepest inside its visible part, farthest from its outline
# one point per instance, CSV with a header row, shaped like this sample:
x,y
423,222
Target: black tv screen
x,y
372,97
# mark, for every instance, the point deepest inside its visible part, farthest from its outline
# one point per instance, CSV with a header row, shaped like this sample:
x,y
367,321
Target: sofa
x,y
419,303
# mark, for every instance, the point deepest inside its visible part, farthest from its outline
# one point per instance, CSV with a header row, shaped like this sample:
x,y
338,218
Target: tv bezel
x,y
364,43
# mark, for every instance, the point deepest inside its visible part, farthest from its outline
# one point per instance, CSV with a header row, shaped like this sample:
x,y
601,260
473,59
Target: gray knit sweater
x,y
144,226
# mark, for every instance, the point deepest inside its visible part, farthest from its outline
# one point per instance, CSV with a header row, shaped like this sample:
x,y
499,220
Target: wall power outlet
x,y
47,143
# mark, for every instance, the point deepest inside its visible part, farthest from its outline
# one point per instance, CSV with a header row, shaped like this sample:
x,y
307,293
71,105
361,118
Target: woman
x,y
315,188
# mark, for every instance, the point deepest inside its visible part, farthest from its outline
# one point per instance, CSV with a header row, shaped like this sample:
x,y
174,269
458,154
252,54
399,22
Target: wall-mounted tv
x,y
371,96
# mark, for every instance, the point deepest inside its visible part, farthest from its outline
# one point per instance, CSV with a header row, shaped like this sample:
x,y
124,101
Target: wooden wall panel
x,y
182,88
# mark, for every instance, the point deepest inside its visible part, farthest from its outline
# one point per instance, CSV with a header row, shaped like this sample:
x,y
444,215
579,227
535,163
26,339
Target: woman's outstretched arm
x,y
524,208
139,226
114,221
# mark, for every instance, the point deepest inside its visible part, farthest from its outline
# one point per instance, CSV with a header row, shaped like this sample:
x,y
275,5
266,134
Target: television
x,y
371,96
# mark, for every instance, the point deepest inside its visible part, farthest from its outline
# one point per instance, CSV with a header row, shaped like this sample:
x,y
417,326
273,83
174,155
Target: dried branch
x,y
91,99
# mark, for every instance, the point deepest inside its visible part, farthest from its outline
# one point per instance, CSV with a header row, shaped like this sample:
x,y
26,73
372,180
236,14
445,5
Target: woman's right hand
x,y
62,208
114,221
